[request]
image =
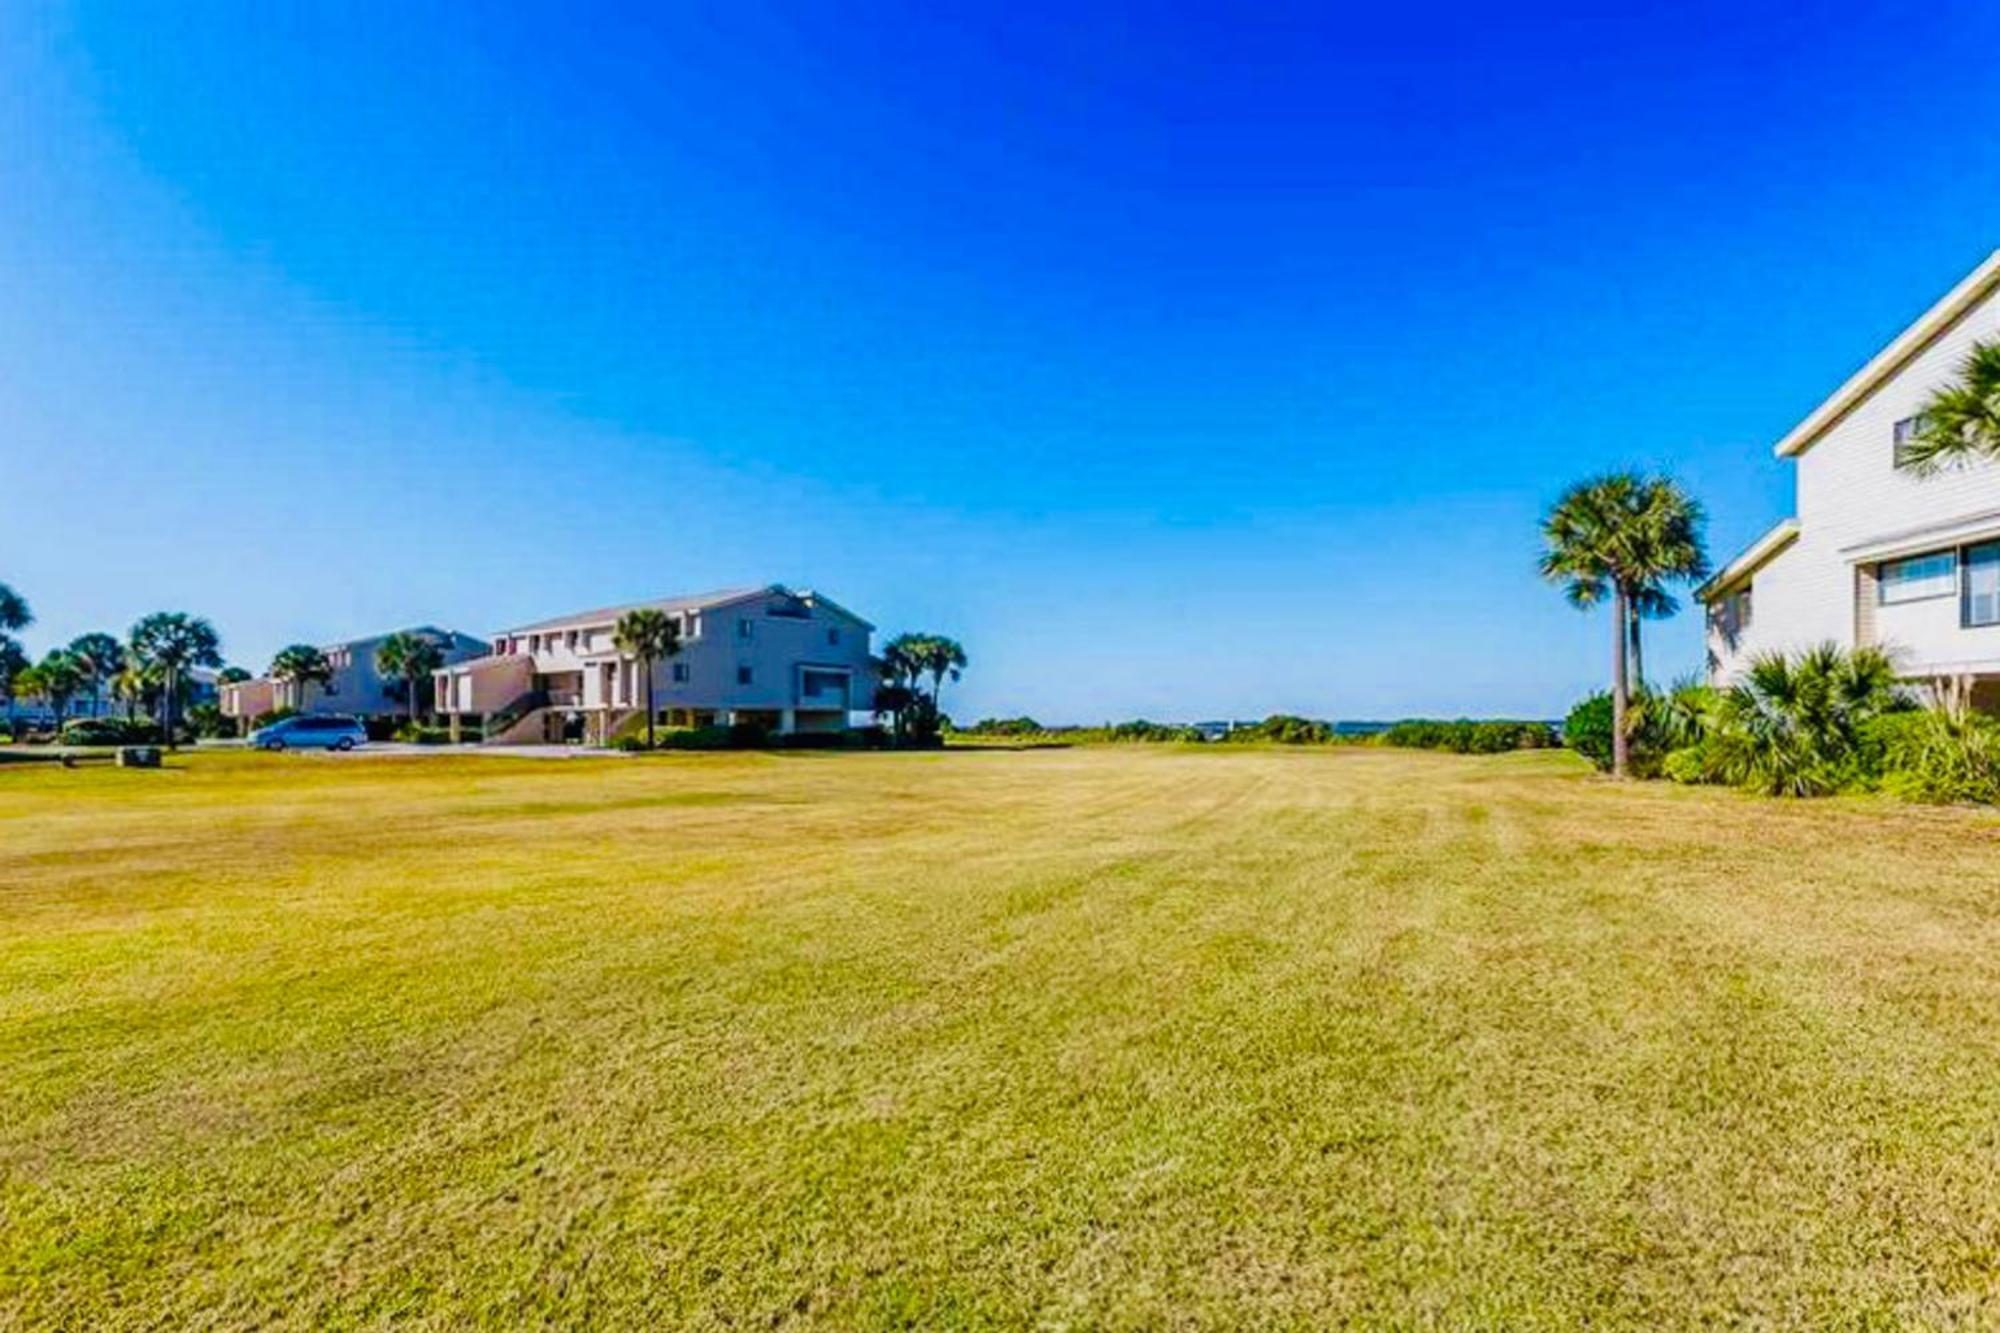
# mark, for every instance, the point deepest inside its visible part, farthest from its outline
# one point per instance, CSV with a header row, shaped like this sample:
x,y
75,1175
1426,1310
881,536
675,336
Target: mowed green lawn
x,y
1089,1038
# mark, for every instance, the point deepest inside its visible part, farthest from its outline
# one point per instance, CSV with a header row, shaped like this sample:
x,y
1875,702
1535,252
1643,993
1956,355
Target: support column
x,y
788,721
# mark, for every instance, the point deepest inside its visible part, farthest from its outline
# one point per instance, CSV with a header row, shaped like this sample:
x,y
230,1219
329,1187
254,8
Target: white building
x,y
1878,555
789,661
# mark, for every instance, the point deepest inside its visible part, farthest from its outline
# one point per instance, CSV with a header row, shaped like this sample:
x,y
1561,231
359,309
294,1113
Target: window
x,y
743,675
1904,434
823,685
1917,578
833,638
680,673
1980,603
1741,606
745,628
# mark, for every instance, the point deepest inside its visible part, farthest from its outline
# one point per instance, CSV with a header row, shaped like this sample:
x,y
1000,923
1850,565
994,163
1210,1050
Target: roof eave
x,y
1752,558
1929,326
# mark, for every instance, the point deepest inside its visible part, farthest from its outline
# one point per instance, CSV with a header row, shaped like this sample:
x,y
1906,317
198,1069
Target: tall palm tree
x,y
1623,536
299,665
137,686
942,657
651,636
1960,422
103,657
57,678
171,643
412,657
1668,549
916,655
14,612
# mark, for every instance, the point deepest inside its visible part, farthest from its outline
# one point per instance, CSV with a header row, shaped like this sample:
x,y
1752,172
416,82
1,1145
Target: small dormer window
x,y
1903,435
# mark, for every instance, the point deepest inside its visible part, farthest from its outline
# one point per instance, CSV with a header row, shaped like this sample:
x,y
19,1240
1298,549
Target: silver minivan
x,y
310,732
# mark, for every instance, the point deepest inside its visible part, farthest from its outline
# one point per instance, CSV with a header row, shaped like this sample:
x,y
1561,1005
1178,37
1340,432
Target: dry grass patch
x,y
1121,1037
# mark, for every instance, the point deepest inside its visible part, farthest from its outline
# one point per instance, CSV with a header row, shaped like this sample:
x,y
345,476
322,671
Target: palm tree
x,y
916,655
13,664
14,612
896,672
942,657
1668,550
412,657
301,664
103,657
138,686
57,678
1961,420
170,643
232,675
651,636
1625,537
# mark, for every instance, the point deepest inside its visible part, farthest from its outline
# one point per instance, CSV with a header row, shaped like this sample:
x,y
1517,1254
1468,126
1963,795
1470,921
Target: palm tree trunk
x,y
1638,660
173,682
1620,757
649,703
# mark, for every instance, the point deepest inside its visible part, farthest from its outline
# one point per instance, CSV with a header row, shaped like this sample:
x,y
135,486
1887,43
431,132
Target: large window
x,y
1981,599
1919,577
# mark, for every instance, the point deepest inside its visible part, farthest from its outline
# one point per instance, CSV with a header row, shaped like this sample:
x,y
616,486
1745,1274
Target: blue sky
x,y
1182,362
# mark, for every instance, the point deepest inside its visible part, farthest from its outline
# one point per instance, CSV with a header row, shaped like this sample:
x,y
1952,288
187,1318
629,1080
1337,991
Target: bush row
x,y
750,736
1468,736
1814,723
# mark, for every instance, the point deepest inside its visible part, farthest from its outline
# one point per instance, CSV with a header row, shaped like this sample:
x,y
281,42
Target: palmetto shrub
x,y
1795,725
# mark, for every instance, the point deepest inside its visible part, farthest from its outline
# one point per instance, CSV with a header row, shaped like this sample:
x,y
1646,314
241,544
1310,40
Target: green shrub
x,y
110,731
1005,726
1152,732
1466,736
419,734
1937,757
1587,730
275,715
207,722
1285,729
1658,723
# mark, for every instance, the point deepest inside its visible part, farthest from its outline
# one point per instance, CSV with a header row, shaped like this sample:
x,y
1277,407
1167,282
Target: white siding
x,y
1851,494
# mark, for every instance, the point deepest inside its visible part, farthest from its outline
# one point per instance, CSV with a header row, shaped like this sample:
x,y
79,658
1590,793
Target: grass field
x,y
1088,1038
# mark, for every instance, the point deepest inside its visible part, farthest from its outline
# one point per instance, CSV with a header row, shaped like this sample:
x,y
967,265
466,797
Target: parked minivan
x,y
310,732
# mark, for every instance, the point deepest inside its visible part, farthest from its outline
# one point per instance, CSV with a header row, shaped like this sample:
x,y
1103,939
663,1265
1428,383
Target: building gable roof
x,y
1931,325
705,601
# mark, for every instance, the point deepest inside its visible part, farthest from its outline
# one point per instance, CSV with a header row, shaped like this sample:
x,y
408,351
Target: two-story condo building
x,y
357,688
1878,554
790,661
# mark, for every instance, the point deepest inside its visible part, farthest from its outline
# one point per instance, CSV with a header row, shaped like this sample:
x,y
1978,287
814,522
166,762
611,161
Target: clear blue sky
x,y
1182,362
